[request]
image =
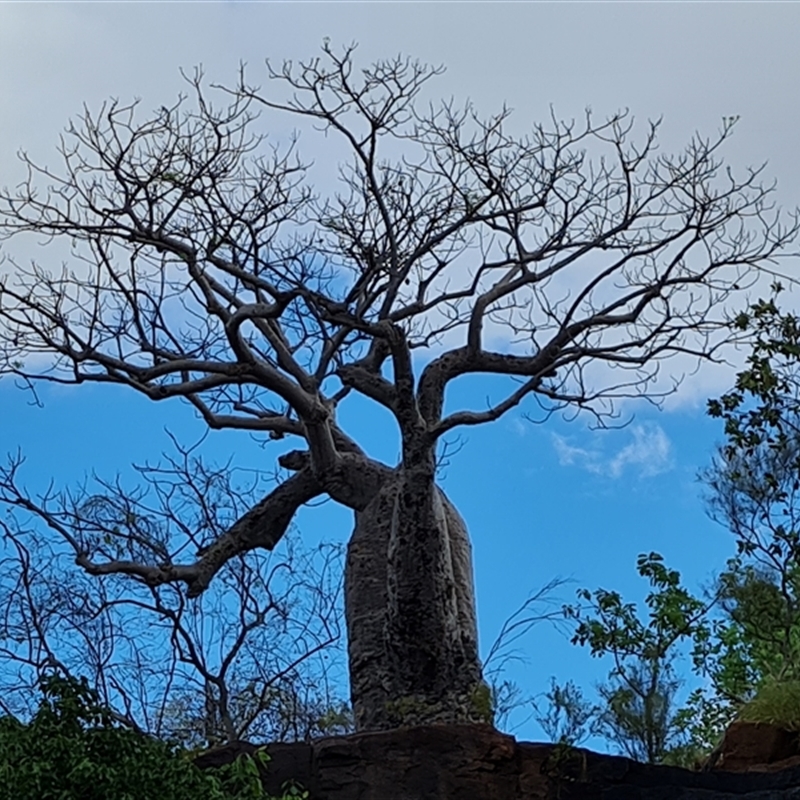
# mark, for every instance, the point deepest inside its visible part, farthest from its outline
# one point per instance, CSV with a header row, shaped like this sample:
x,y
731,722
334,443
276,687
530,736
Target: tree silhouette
x,y
571,260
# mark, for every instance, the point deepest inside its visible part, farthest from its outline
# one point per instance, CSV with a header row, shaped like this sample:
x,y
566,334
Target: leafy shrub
x,y
71,751
777,703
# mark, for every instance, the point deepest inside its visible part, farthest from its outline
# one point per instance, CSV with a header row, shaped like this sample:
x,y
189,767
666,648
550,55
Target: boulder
x,y
476,762
755,747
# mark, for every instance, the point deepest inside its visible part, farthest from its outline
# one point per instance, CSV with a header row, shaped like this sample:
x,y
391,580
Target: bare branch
x,y
203,265
116,632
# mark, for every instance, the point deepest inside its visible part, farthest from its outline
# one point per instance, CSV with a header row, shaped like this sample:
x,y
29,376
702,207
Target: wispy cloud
x,y
520,428
648,452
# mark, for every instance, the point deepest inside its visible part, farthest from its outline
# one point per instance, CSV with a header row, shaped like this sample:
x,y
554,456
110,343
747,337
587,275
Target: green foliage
x,y
699,727
776,344
568,720
742,655
674,614
750,653
777,703
72,751
482,699
755,485
760,642
336,719
637,712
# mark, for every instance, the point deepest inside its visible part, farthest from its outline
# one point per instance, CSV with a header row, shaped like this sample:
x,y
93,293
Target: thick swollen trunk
x,y
410,610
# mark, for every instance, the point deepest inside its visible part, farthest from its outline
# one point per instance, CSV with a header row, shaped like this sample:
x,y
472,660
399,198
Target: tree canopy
x,y
205,265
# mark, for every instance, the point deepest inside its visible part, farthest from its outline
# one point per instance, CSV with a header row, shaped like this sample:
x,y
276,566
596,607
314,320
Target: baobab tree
x,y
572,260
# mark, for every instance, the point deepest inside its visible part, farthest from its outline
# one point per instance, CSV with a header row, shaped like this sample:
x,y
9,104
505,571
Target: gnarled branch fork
x,y
266,306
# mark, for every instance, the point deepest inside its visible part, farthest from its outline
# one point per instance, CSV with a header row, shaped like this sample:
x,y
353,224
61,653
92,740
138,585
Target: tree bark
x,y
410,610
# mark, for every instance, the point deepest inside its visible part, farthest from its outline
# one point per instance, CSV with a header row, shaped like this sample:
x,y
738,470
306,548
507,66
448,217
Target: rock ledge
x,y
476,762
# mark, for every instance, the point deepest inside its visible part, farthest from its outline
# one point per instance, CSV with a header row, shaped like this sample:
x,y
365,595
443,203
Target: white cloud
x,y
520,428
648,452
99,53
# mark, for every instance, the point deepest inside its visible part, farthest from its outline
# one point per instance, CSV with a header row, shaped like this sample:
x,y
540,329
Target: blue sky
x,y
540,501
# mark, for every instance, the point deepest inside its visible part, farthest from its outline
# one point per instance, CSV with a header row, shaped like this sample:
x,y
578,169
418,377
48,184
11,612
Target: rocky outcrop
x,y
755,747
476,762
289,761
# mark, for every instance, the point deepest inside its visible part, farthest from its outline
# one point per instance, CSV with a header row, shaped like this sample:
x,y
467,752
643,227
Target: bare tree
x,y
252,658
258,685
208,272
506,695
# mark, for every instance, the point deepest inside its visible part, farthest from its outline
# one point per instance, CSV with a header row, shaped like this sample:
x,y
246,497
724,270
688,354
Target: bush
x,y
776,703
72,751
